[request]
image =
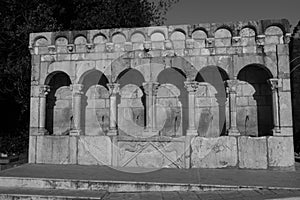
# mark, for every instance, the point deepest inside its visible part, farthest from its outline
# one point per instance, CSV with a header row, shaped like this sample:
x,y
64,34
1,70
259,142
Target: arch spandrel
x,y
56,67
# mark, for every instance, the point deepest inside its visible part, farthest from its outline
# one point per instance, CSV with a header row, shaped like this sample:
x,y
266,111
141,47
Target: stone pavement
x,y
224,177
216,195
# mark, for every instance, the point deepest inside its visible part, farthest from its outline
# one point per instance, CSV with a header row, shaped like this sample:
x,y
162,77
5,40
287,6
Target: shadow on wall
x,y
254,101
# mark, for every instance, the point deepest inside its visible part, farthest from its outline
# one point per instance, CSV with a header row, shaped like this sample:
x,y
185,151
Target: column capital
x,y
150,86
232,86
113,88
77,89
44,90
191,86
275,83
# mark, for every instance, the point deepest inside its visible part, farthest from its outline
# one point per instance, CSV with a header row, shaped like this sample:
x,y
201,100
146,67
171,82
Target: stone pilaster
x,y
191,87
275,84
231,91
43,91
150,89
113,90
77,97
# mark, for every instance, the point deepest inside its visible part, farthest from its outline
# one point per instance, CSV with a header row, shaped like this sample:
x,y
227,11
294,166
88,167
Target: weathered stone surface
x,y
151,154
53,149
32,149
280,152
94,150
252,152
214,152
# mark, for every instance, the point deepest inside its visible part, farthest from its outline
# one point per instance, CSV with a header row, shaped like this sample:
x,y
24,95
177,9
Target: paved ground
x,y
265,178
230,195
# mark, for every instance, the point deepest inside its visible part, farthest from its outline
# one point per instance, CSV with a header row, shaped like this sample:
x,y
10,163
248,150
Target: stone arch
x,y
118,37
56,67
131,112
223,37
254,101
94,109
99,38
61,41
178,63
199,34
274,35
157,36
215,98
80,40
168,110
137,36
96,116
178,34
247,35
41,41
58,103
176,77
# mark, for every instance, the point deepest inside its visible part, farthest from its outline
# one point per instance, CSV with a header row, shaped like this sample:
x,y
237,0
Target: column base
x,y
43,131
192,132
276,132
233,132
76,132
112,132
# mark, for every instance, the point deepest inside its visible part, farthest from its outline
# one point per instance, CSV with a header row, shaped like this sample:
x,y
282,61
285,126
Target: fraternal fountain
x,y
183,96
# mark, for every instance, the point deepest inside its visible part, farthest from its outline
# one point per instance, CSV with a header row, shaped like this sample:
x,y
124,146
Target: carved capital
x,y
287,38
109,47
260,40
70,47
52,49
210,42
113,88
191,86
232,86
89,47
274,83
150,87
77,89
236,40
44,90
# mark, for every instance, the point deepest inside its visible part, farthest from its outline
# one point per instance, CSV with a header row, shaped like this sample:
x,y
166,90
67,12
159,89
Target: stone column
x,y
150,89
43,91
77,96
231,91
113,90
274,83
191,87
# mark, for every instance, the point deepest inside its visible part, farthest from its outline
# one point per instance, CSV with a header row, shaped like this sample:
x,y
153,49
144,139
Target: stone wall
x,y
169,96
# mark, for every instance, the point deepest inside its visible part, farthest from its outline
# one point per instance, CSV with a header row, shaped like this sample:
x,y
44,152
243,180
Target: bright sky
x,y
201,11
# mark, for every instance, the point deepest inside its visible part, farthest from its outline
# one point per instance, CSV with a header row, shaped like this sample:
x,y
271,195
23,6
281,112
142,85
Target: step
x,y
118,186
12,193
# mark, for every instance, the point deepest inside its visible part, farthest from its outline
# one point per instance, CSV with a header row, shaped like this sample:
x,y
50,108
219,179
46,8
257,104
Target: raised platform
x,y
93,182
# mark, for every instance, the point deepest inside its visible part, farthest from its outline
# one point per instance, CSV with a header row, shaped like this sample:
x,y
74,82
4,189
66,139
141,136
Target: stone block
x,y
205,52
252,152
221,42
272,39
242,101
218,152
32,149
285,109
283,64
280,152
247,120
156,154
199,43
34,111
157,45
221,50
63,57
249,49
94,150
179,44
138,46
270,48
282,49
286,85
53,150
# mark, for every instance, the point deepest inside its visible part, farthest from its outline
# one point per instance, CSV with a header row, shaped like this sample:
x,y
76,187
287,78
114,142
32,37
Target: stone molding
x,y
114,88
77,89
275,83
44,90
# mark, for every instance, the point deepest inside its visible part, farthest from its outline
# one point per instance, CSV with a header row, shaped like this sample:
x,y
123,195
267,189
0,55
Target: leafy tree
x,y
20,18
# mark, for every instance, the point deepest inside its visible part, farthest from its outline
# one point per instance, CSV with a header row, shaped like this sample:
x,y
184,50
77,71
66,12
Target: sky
x,y
202,11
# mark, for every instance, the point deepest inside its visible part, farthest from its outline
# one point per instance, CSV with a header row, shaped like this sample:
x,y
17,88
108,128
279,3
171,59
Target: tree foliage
x,y
20,18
